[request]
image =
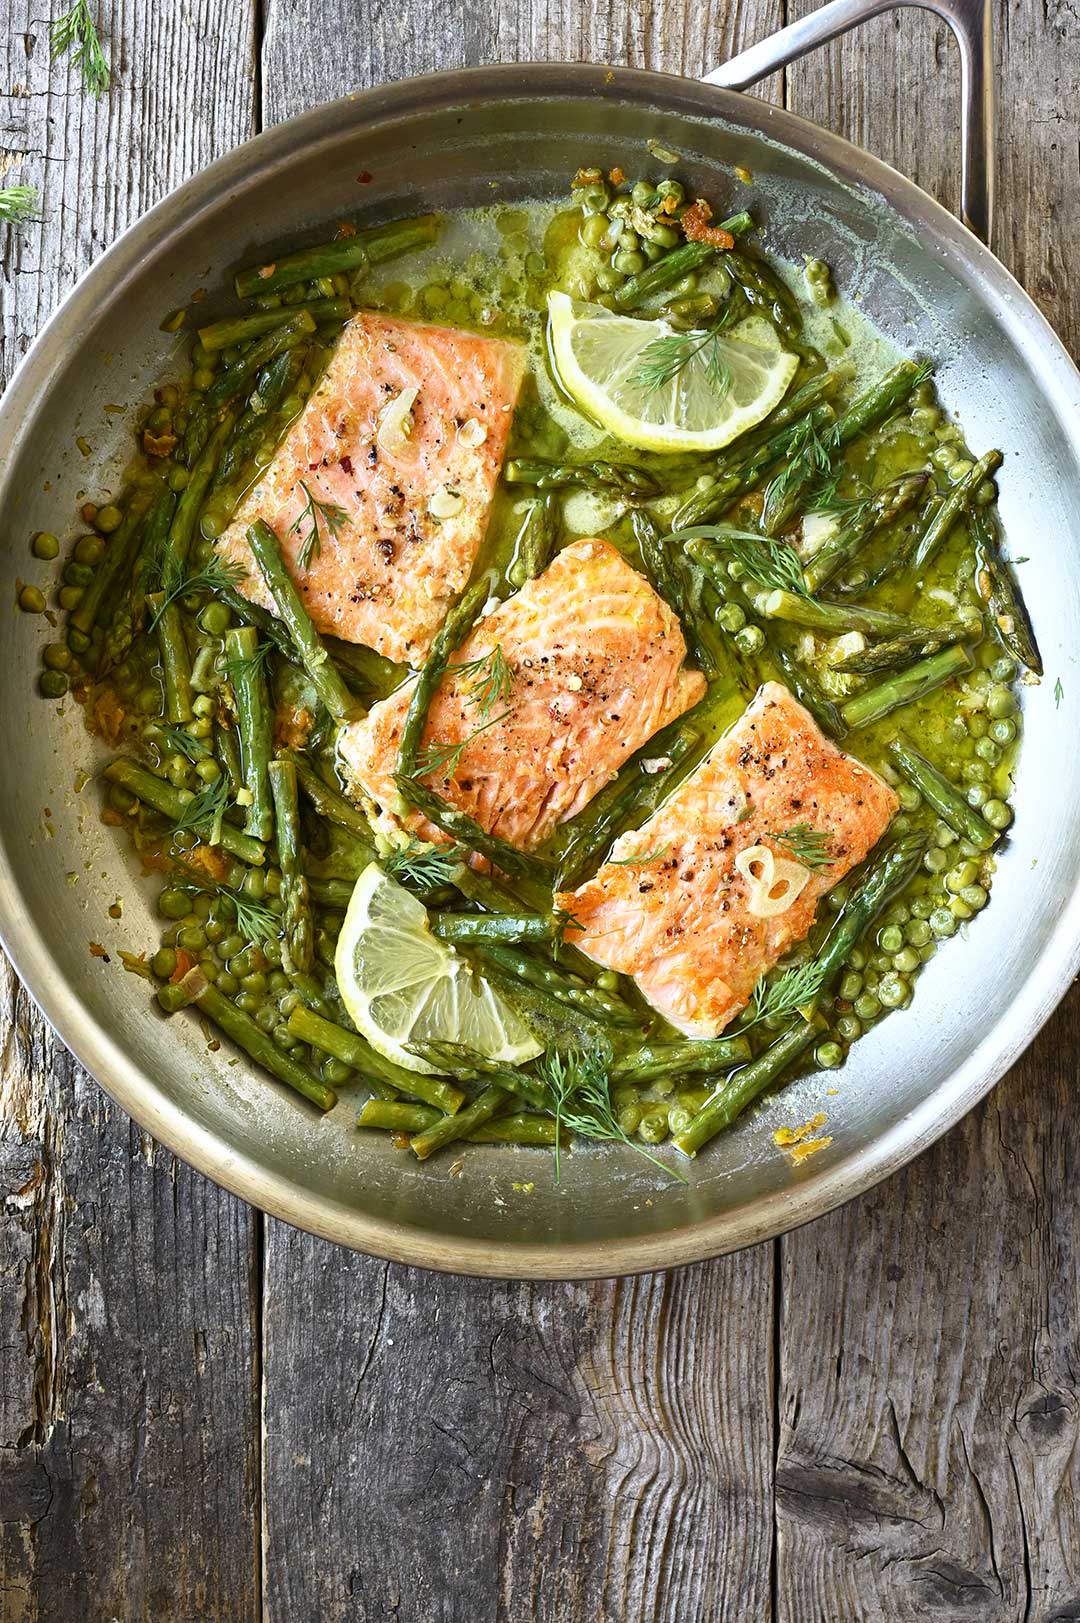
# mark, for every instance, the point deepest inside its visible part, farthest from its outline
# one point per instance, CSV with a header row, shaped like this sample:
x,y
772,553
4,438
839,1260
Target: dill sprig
x,y
666,357
810,457
182,743
639,861
311,543
423,866
205,812
75,31
769,563
174,581
807,845
493,680
254,919
580,1089
796,987
240,670
444,759
17,204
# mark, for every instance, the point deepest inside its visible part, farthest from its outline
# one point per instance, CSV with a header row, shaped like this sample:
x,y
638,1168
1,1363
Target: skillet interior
x,y
471,138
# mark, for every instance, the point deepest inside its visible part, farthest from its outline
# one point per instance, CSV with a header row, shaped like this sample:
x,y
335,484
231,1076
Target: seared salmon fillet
x,y
408,501
686,921
591,665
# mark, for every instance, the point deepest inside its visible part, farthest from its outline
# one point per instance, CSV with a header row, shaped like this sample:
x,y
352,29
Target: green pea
x,y
921,908
593,230
89,549
629,261
69,597
894,991
335,1071
163,963
851,984
925,418
232,945
266,1018
272,883
977,795
53,684
935,861
1000,702
988,751
248,1002
944,456
849,1026
272,950
653,1128
750,640
289,1001
227,984
201,906
215,930
278,983
173,904
867,1007
965,873
608,279
997,814
644,194
976,771
56,656
977,725
942,923
829,1056
192,938
909,797
907,960
731,617
629,1118
215,619
891,939
856,958
78,574
178,479
109,518
31,600
45,545
1003,732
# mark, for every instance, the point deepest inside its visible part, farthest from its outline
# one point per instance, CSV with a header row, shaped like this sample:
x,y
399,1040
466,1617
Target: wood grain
x,y
929,1395
128,1353
443,1449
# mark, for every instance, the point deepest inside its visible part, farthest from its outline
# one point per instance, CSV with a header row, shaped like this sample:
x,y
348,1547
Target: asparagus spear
x,y
329,803
248,678
764,291
247,1035
731,1098
460,1126
323,675
519,1128
467,1065
680,582
455,628
507,927
547,977
942,796
396,1116
884,508
825,712
701,506
172,803
242,329
664,273
537,540
816,459
351,253
906,686
833,618
460,826
896,653
118,562
335,893
182,528
352,1050
659,1060
957,504
628,800
236,380
298,922
883,876
632,484
175,658
998,589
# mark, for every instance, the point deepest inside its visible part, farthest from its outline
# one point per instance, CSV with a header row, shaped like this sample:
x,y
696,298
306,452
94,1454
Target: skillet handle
x,y
970,21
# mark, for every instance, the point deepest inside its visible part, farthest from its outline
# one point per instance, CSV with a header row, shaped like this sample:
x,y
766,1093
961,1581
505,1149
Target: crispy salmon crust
x,y
389,574
595,668
678,921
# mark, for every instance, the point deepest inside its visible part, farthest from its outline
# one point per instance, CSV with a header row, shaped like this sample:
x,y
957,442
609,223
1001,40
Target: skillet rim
x,y
102,1055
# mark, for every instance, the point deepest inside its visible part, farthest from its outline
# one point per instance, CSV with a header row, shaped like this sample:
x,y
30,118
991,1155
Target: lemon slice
x,y
401,984
600,355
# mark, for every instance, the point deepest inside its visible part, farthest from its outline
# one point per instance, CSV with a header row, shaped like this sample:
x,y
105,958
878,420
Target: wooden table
x,y
204,1414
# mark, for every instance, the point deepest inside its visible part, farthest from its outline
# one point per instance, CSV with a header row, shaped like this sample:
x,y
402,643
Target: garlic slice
x,y
471,433
445,503
396,423
775,882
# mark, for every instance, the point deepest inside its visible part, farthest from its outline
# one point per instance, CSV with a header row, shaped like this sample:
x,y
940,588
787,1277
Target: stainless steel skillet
x,y
466,138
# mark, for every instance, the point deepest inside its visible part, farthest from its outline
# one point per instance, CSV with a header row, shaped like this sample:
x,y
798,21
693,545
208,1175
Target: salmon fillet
x,y
594,666
412,509
680,921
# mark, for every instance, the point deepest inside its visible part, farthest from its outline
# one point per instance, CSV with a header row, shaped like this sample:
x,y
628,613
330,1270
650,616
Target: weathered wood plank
x,y
441,1448
525,1453
128,1352
928,1391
